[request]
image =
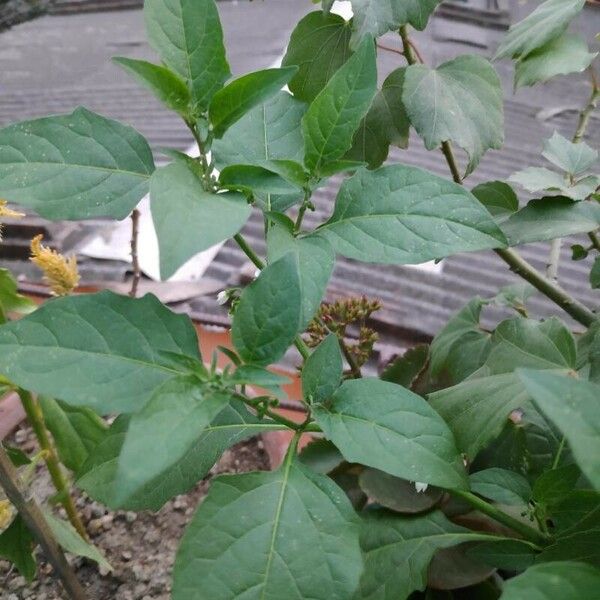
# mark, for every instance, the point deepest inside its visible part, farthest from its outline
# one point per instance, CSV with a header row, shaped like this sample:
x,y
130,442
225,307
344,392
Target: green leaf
x,y
253,375
77,166
314,261
509,555
561,56
397,494
515,296
382,425
16,546
100,350
391,540
10,299
335,114
549,218
321,456
172,420
477,409
404,215
319,46
405,369
241,95
386,124
188,219
460,102
572,513
187,35
564,580
270,132
498,197
72,542
572,158
373,18
463,328
537,179
595,274
290,533
166,85
17,457
258,180
500,485
553,486
322,371
268,315
546,23
76,431
233,424
572,405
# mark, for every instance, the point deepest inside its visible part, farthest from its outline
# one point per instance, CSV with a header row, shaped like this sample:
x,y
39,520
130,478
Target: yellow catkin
x,y
6,514
5,211
60,272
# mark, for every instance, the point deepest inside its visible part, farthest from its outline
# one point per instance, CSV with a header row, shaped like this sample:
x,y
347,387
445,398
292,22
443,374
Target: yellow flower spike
x,y
5,211
60,273
6,514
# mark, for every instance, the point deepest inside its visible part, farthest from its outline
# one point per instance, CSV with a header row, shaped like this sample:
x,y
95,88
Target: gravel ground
x,y
141,546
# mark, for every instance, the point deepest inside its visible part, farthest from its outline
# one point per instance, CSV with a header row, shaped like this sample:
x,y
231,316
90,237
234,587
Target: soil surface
x,y
140,547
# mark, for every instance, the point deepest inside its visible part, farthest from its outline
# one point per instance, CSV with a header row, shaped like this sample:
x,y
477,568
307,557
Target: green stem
x,y
36,523
36,420
559,452
259,263
407,46
529,533
271,414
356,372
586,113
595,240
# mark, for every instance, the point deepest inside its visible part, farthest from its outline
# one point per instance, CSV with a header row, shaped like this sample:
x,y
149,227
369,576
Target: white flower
x,y
222,297
256,273
421,487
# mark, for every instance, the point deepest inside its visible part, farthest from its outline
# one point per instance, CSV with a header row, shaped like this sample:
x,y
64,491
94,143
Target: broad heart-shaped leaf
x,y
98,476
550,218
498,197
385,124
269,132
77,166
189,219
547,22
571,158
460,102
103,350
188,37
166,85
16,546
10,299
404,215
563,55
376,17
335,114
314,262
567,580
268,315
241,95
572,405
501,485
387,427
67,537
322,371
398,550
477,409
319,46
172,420
290,533
76,431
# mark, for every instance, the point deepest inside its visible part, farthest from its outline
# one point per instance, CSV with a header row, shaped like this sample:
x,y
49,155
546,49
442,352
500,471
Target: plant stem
x,y
34,519
451,160
586,113
135,229
259,263
356,372
529,533
559,452
595,240
36,420
408,47
551,290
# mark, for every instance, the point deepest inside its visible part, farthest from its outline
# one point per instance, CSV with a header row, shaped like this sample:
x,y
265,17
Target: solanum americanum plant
x,y
482,448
